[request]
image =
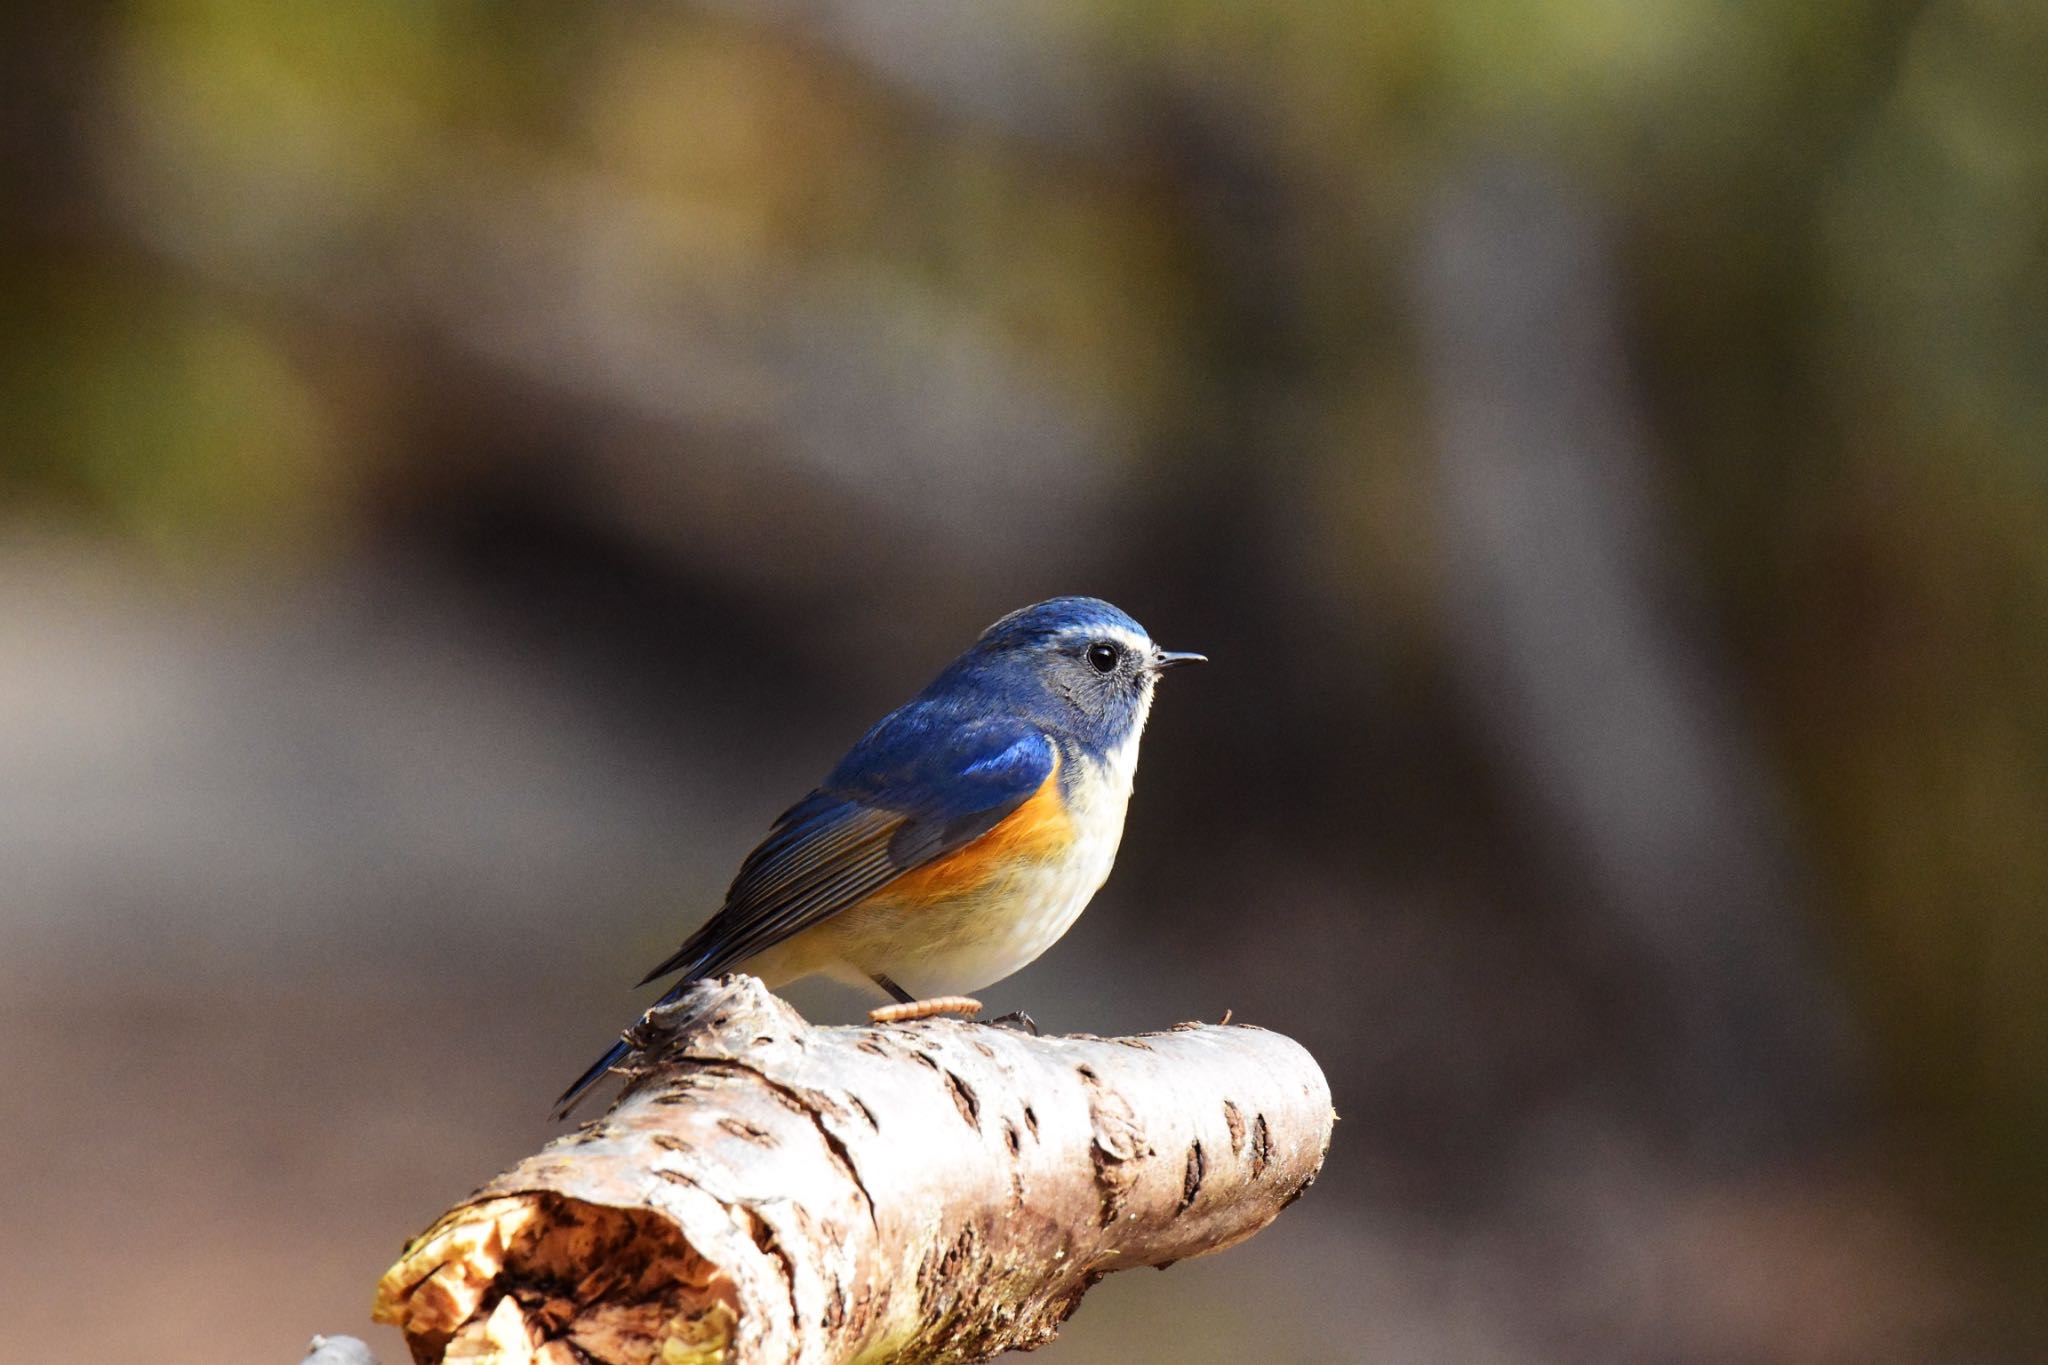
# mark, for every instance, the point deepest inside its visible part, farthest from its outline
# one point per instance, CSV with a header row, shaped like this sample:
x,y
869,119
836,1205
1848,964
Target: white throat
x,y
1120,764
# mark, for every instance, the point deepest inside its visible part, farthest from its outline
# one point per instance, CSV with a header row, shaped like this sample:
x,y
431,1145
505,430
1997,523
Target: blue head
x,y
1077,665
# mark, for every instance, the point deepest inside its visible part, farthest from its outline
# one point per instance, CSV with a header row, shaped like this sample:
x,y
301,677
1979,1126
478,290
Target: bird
x,y
959,838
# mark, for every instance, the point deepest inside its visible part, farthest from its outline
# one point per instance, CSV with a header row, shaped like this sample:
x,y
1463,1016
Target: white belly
x,y
1006,925
973,940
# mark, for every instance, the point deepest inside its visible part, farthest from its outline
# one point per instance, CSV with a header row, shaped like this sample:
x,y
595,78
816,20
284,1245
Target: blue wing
x,y
915,788
919,785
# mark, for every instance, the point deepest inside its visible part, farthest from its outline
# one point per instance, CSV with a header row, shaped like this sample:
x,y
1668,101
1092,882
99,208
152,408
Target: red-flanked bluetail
x,y
961,836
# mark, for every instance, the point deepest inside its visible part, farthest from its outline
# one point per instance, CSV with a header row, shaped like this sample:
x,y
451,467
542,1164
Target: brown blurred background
x,y
466,467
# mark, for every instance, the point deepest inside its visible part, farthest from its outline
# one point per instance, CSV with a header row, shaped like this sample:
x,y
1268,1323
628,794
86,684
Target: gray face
x,y
1105,676
1077,665
1096,682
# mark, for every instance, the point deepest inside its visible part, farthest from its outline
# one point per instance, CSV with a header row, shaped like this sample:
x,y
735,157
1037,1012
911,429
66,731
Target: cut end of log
x,y
769,1191
512,1281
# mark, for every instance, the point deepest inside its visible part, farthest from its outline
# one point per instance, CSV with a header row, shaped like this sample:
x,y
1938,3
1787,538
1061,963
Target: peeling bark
x,y
766,1191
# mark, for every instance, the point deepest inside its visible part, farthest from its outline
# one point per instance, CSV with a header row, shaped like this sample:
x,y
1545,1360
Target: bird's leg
x,y
894,991
908,1010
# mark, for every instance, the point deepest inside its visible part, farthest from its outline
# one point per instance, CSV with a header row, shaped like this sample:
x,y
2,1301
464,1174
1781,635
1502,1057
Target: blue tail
x,y
574,1094
620,1050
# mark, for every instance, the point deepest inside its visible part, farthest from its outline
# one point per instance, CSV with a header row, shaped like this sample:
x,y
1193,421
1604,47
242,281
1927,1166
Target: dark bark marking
x,y
1191,1178
964,1099
747,1132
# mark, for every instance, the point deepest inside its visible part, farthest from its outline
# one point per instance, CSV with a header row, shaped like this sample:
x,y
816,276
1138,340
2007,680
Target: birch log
x,y
767,1191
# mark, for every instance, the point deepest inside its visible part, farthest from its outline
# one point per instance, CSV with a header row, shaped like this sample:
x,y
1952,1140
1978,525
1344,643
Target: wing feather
x,y
914,790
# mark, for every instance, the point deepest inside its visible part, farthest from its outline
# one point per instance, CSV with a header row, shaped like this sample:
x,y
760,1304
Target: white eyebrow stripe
x,y
1136,643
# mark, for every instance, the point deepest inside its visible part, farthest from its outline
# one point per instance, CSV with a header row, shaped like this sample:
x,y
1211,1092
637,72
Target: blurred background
x,y
467,467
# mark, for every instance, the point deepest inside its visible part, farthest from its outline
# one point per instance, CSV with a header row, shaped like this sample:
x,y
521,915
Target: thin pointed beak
x,y
1167,658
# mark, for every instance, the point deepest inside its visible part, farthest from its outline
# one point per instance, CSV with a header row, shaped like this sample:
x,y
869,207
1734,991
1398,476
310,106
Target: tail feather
x,y
571,1097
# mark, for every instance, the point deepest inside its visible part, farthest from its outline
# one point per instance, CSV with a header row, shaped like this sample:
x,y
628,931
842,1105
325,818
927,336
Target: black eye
x,y
1103,656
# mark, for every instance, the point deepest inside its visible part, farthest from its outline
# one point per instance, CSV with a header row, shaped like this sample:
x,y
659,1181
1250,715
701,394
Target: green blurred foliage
x,y
1834,221
166,417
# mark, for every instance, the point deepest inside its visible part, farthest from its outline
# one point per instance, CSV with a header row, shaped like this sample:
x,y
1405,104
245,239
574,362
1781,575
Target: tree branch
x,y
767,1191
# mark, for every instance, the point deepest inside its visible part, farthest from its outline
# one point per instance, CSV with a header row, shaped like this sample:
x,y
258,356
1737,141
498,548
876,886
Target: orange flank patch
x,y
1035,831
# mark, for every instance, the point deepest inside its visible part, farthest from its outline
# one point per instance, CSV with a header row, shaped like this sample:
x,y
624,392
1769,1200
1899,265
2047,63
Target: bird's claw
x,y
1015,1019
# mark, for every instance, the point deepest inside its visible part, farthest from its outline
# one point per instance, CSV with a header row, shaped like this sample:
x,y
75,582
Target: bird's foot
x,y
1015,1019
924,1009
